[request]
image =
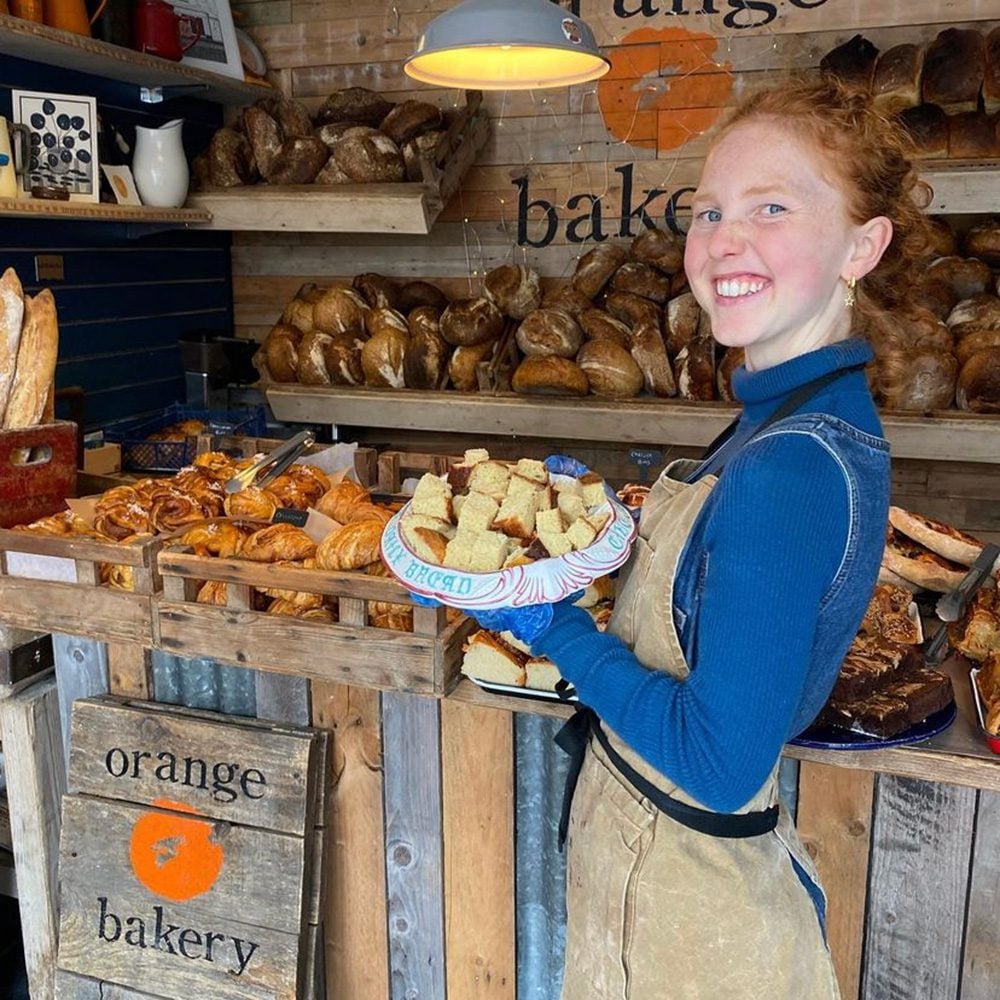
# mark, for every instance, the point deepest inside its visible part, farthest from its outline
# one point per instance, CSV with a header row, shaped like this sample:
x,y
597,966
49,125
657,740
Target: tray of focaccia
x,y
491,534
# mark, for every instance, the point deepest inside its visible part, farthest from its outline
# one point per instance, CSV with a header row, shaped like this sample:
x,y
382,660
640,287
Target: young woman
x,y
748,580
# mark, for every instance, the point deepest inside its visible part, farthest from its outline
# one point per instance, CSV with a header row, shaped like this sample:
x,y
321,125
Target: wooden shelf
x,y
958,756
949,435
409,207
42,44
962,186
39,208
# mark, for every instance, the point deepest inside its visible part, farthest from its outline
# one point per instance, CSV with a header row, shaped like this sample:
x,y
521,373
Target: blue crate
x,y
142,455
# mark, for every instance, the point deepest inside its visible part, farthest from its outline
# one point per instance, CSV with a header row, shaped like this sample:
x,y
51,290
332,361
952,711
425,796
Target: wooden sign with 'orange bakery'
x,y
188,863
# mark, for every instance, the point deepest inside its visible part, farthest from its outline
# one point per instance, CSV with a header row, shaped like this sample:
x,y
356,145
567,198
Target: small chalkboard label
x,y
288,515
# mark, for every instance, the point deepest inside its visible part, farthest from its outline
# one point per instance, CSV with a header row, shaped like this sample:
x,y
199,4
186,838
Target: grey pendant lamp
x,y
506,45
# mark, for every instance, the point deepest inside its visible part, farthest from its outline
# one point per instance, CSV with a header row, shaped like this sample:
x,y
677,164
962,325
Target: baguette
x,y
11,319
36,362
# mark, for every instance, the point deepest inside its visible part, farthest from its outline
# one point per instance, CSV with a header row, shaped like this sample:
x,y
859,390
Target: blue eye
x,y
773,209
710,215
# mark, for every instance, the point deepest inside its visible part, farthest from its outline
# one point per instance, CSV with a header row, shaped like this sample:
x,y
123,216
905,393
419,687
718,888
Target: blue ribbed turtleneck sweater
x,y
781,502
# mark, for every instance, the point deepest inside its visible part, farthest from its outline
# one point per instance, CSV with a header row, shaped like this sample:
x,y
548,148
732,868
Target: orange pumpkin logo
x,y
665,87
175,857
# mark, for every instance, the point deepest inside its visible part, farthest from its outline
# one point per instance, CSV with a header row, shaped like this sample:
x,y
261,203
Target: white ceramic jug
x,y
159,166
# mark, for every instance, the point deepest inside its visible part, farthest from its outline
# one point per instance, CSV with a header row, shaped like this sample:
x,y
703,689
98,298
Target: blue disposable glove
x,y
563,465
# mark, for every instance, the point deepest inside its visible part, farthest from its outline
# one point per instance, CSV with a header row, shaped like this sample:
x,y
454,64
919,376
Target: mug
x,y
157,30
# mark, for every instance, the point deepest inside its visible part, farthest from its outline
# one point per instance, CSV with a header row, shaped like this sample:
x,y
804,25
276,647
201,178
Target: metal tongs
x,y
951,606
274,462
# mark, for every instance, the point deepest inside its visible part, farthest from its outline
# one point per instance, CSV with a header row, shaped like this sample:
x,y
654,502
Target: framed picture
x,y
63,145
122,184
215,47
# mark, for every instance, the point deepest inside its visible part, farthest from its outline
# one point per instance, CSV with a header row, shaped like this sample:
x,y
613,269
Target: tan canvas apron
x,y
656,910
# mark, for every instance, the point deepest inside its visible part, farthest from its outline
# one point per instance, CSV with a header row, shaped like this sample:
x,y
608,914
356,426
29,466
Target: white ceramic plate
x,y
542,582
521,692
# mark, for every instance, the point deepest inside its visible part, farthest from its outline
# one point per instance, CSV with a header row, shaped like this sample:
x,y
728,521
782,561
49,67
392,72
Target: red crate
x,y
37,471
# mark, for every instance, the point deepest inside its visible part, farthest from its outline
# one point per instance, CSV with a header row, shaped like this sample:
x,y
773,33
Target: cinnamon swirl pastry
x,y
278,543
122,515
287,492
251,502
217,464
118,577
316,478
170,511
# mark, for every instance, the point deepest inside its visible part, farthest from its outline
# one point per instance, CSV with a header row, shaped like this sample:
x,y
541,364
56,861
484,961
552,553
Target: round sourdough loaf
x,y
633,309
659,248
515,289
354,104
979,312
312,361
569,299
942,239
650,354
595,268
331,173
936,296
332,132
696,369
731,360
599,325
281,353
979,382
965,275
468,322
973,343
383,318
420,293
424,320
377,290
340,310
382,358
549,331
983,241
641,279
917,379
408,119
610,369
426,358
343,359
550,375
682,315
366,155
463,363
298,161
300,313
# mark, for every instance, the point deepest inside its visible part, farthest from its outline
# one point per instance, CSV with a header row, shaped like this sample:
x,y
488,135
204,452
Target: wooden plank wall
x,y
911,867
128,292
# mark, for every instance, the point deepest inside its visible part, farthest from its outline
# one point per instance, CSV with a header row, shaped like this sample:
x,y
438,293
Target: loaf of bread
x,y
420,293
549,331
281,353
382,358
595,268
354,104
696,368
378,291
569,299
659,248
683,315
954,68
312,368
11,321
340,310
633,309
966,276
643,280
973,343
983,241
919,379
610,369
896,83
426,358
731,360
230,159
650,354
979,382
264,135
367,155
351,547
37,353
550,375
516,289
298,161
382,318
409,119
464,362
468,322
343,359
972,135
978,313
927,127
853,62
596,324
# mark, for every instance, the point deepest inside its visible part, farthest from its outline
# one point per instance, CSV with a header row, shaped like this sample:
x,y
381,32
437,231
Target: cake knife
x,y
950,607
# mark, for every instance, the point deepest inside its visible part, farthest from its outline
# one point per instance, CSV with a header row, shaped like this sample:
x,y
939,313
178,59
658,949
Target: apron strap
x,y
801,395
573,738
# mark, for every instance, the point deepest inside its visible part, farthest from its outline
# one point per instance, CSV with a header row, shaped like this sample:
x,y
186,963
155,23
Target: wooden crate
x,y
424,661
37,471
70,598
189,862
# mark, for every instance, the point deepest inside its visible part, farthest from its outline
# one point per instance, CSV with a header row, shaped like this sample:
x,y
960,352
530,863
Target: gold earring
x,y
851,297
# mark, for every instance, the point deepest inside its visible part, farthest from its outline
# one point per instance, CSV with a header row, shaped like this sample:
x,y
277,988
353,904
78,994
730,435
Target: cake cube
x,y
432,497
593,489
489,550
458,552
599,518
516,516
456,505
518,556
550,520
490,478
519,485
581,533
473,456
428,545
459,473
545,498
478,513
571,506
445,528
556,543
532,469
569,485
490,659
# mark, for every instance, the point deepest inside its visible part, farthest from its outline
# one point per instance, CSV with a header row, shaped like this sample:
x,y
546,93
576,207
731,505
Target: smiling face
x,y
769,244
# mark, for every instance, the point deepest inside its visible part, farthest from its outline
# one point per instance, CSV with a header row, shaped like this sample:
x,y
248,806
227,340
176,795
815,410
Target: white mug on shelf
x,y
159,166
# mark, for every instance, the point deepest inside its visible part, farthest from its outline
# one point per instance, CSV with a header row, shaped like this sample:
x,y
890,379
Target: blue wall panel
x,y
129,292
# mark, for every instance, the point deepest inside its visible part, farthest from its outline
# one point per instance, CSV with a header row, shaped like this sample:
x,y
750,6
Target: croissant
x,y
369,512
287,492
63,523
296,598
376,609
397,621
118,577
278,542
350,547
170,511
212,592
320,613
339,499
252,502
219,538
309,479
217,464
